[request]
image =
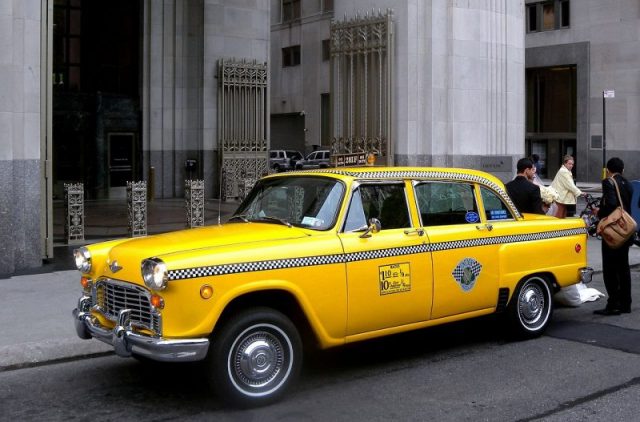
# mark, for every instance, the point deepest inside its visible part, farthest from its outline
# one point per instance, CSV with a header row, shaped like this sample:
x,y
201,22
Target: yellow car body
x,y
361,253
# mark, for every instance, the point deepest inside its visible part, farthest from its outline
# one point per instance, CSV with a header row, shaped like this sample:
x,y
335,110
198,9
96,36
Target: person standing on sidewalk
x,y
567,190
615,262
522,191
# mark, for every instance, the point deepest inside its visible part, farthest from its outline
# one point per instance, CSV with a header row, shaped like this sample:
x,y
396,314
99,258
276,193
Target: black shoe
x,y
607,311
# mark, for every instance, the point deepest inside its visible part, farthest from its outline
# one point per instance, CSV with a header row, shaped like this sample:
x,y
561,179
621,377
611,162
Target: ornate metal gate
x,y
242,121
361,77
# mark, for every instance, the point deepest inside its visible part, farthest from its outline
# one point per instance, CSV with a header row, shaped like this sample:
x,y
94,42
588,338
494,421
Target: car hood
x,y
131,252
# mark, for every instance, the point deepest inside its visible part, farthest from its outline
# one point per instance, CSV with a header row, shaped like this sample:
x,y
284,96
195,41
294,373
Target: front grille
x,y
112,296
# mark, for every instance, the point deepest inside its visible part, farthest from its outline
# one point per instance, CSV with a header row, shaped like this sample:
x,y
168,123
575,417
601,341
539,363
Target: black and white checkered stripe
x,y
310,261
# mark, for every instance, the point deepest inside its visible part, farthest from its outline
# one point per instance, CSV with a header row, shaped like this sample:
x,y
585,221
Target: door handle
x,y
487,227
419,232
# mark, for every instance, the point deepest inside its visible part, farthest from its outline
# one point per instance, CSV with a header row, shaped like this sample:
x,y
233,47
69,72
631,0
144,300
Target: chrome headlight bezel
x,y
82,259
154,273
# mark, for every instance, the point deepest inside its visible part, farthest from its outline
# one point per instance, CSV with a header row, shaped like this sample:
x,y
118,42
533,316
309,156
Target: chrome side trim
x,y
126,342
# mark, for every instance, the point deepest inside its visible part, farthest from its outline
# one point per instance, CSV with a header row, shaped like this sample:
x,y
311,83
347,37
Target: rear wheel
x,y
531,307
255,357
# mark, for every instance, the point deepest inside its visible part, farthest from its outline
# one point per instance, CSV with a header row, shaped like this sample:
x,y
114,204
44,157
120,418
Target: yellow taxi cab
x,y
324,258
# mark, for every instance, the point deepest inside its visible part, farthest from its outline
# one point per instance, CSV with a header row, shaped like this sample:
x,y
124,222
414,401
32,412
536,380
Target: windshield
x,y
309,202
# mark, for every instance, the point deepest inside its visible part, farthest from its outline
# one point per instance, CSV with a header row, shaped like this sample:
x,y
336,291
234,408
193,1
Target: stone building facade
x,y
457,85
584,48
101,104
474,84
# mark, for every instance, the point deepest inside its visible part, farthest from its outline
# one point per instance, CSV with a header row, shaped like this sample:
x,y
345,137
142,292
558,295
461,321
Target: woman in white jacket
x,y
567,190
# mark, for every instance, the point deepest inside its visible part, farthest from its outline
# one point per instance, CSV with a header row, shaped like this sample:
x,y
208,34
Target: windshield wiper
x,y
242,217
276,220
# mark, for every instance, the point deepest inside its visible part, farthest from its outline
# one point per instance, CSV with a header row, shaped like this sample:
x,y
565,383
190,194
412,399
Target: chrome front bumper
x,y
126,342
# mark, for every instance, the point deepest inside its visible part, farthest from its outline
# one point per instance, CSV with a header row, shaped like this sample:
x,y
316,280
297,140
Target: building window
x,y
564,14
325,119
326,50
67,32
290,10
291,56
548,15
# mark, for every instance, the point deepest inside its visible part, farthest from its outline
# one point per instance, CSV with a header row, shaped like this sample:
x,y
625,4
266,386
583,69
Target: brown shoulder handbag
x,y
616,228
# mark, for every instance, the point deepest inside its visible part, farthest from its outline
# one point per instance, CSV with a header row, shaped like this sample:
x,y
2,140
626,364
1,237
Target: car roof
x,y
427,173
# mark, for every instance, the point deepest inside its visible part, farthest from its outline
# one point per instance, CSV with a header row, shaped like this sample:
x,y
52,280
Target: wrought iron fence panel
x,y
194,202
243,130
74,212
361,73
137,208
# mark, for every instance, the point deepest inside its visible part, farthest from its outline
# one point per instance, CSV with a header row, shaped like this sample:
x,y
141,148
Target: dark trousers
x,y
617,276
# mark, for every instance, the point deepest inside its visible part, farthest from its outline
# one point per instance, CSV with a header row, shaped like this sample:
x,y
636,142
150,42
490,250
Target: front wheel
x,y
255,357
531,307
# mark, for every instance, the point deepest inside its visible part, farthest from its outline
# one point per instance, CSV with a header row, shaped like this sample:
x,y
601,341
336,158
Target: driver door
x,y
389,272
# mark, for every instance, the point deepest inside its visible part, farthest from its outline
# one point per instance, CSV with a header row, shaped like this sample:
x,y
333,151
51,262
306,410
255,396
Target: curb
x,y
48,352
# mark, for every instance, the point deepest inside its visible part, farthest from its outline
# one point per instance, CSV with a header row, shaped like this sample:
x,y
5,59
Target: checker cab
x,y
323,258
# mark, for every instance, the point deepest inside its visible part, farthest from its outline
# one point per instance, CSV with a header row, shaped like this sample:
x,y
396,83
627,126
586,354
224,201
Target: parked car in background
x,y
315,160
323,258
283,159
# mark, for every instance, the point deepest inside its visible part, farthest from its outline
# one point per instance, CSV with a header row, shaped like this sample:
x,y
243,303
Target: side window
x,y
494,207
443,203
387,203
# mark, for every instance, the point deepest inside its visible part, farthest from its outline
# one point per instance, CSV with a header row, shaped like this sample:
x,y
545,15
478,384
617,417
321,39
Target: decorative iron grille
x,y
74,211
137,208
361,70
242,121
194,198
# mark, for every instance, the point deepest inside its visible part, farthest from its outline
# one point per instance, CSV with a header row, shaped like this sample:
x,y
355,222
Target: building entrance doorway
x,y
96,97
550,152
551,104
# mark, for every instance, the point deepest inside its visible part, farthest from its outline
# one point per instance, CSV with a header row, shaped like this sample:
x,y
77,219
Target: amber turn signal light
x,y
85,282
206,291
157,301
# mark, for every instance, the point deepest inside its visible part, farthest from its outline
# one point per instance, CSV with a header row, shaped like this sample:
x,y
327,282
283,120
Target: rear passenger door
x,y
465,257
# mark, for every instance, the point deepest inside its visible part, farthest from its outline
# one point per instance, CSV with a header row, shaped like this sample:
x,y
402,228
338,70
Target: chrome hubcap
x,y
260,360
531,305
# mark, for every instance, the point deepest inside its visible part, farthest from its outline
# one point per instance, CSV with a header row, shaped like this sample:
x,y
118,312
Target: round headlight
x,y
82,258
154,273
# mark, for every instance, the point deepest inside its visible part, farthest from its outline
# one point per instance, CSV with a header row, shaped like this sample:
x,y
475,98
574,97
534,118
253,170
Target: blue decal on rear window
x,y
498,214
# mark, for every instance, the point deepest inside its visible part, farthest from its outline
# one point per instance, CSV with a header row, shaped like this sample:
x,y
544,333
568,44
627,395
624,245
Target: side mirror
x,y
374,227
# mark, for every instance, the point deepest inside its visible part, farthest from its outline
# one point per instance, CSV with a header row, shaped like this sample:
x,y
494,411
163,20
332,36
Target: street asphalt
x,y
37,326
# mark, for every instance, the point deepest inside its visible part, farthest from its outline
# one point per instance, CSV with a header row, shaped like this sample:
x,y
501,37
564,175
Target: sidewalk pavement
x,y
37,326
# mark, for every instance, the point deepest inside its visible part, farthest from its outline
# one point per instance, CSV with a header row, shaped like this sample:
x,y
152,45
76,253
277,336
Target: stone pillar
x,y
194,201
137,207
74,213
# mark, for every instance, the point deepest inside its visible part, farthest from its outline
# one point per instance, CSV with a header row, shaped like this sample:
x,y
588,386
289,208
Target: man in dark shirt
x,y
523,192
